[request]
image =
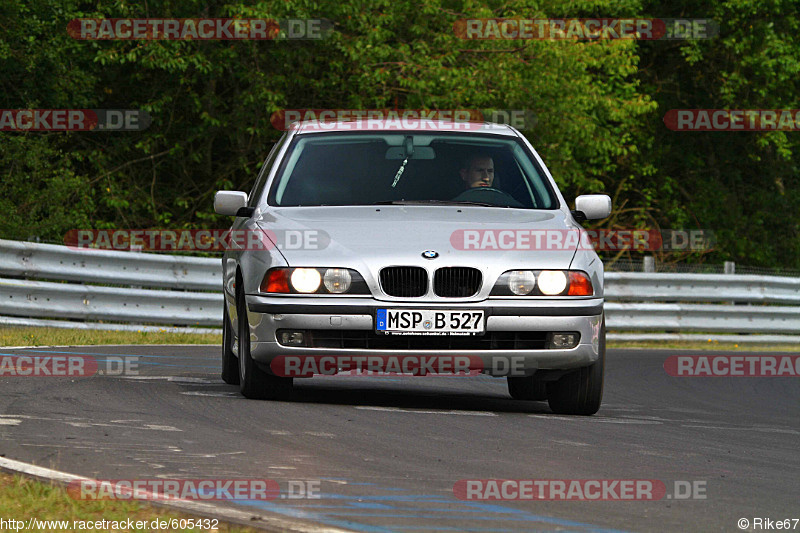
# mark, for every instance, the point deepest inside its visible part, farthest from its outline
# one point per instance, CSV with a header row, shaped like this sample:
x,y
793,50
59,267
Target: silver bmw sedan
x,y
413,248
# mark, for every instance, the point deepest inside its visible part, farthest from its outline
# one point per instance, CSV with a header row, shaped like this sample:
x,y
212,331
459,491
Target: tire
x,y
580,392
527,388
230,362
254,383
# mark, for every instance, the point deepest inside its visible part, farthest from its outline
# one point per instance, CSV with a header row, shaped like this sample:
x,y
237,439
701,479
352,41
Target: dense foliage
x,y
599,106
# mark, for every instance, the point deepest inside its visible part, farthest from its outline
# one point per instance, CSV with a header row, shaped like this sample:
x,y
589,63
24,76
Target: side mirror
x,y
592,207
231,203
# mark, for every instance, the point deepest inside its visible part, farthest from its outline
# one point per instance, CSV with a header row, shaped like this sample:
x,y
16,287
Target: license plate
x,y
429,322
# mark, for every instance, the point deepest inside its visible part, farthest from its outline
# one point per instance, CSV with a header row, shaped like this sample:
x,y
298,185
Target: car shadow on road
x,y
411,397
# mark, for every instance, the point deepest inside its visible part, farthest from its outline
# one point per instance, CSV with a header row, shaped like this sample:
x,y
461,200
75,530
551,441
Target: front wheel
x,y
254,383
580,392
230,364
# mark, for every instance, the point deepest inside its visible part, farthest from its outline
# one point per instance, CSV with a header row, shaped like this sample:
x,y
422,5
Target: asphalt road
x,y
387,451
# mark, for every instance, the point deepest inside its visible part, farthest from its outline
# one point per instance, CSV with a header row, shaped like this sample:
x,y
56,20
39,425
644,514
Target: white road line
x,y
156,427
601,419
152,427
214,394
624,421
186,506
423,412
556,417
173,379
761,430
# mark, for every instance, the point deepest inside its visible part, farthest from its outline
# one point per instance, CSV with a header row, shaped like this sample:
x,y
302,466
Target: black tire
x,y
527,388
580,392
230,363
254,383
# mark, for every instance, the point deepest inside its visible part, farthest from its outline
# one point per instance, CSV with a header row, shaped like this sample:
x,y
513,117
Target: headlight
x,y
306,280
337,280
552,282
521,282
316,280
533,283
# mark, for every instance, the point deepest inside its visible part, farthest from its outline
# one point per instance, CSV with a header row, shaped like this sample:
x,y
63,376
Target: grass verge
x,y
23,498
36,336
710,345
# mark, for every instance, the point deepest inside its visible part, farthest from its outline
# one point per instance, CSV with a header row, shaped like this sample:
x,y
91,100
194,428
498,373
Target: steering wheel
x,y
485,194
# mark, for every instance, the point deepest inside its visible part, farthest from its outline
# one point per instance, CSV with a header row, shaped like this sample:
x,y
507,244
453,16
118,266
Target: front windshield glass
x,y
409,168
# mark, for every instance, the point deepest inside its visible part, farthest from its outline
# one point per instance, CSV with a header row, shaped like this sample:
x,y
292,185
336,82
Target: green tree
x,y
742,185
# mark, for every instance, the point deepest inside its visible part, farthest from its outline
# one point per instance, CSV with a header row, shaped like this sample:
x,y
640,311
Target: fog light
x,y
564,341
292,338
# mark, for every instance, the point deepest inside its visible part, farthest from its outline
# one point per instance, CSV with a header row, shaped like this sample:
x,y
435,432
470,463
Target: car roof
x,y
390,125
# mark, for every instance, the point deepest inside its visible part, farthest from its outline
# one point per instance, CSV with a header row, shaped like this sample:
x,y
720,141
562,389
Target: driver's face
x,y
479,174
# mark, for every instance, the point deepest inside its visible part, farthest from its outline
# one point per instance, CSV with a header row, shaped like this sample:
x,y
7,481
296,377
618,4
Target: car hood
x,y
377,236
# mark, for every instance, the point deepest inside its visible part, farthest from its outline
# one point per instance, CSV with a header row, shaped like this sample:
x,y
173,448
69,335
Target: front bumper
x,y
267,315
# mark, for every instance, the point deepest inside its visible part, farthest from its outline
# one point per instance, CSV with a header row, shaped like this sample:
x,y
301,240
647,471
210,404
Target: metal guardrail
x,y
692,317
94,285
122,299
54,262
646,287
718,303
117,304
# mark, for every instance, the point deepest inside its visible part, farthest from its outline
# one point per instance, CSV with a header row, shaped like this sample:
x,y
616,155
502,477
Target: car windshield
x,y
410,168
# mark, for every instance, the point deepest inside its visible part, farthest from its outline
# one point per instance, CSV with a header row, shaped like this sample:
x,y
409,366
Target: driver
x,y
478,171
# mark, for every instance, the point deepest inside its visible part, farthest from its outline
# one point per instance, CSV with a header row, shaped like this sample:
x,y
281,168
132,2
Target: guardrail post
x,y
730,267
649,264
136,249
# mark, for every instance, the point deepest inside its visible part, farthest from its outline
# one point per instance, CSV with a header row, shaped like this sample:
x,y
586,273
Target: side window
x,y
261,181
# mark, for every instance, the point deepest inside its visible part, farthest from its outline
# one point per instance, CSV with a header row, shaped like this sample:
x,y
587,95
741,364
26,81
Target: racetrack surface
x,y
387,451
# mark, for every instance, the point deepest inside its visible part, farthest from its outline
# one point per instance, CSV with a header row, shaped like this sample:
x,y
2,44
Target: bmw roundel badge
x,y
430,254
